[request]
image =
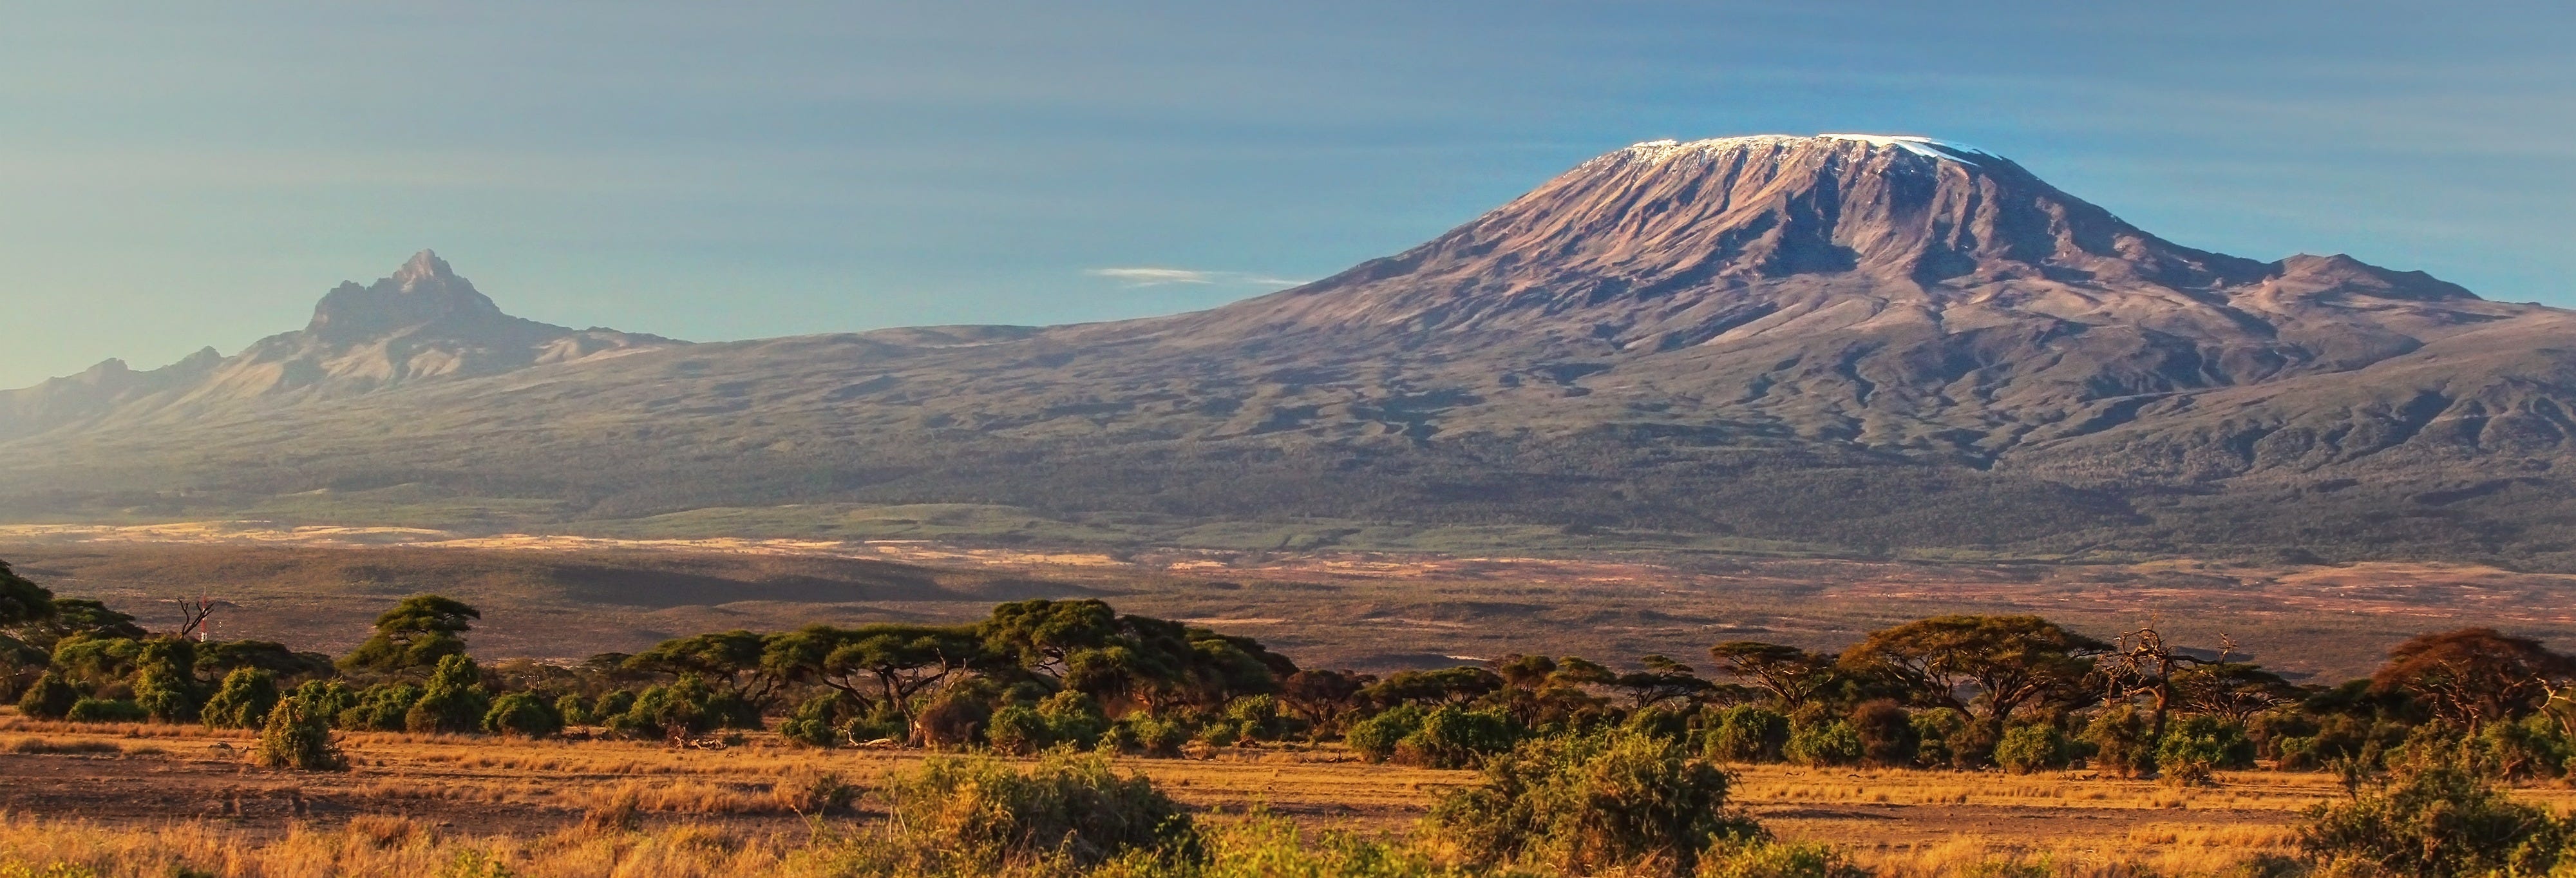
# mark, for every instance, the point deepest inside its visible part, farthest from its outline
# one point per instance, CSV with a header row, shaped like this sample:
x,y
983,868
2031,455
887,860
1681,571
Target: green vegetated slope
x,y
1804,343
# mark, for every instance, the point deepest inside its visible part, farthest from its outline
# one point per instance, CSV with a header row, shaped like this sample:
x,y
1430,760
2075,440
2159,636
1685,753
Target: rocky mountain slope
x,y
1849,341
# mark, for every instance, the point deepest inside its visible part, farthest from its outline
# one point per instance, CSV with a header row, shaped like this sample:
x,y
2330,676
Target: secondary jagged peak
x,y
423,290
424,265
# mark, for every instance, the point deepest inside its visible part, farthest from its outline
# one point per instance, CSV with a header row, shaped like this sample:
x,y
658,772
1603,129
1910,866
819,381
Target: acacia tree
x,y
885,664
1791,675
2006,661
2233,690
414,634
1539,689
2473,676
1662,680
732,660
1322,697
1457,685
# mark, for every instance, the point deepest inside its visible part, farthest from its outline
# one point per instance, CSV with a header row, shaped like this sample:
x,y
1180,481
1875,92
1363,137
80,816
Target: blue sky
x,y
180,175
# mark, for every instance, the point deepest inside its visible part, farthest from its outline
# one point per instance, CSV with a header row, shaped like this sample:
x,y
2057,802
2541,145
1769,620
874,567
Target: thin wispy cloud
x,y
1148,276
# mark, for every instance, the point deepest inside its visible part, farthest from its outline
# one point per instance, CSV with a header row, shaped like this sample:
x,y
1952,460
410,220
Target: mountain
x,y
1843,342
423,323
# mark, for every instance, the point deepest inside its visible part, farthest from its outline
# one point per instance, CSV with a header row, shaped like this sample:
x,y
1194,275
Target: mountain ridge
x,y
1842,340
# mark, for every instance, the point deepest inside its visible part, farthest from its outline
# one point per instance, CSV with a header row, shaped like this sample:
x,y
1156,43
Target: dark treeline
x,y
2016,692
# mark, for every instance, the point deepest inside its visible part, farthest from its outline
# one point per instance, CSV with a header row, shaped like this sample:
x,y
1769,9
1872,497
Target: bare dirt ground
x,y
562,597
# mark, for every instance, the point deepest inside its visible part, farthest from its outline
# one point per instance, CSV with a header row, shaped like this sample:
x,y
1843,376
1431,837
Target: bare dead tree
x,y
193,613
2141,663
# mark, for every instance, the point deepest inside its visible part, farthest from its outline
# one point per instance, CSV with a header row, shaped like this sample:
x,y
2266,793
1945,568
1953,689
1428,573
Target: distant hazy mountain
x,y
1843,340
423,323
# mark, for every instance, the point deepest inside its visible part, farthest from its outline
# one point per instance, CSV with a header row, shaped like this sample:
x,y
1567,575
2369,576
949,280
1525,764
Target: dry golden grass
x,y
555,807
394,847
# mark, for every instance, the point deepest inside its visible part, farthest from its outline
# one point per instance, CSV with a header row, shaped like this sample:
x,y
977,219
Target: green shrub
x,y
1452,737
1887,736
51,697
575,710
165,681
380,708
1748,733
101,710
325,697
2436,819
1074,718
958,717
616,702
1375,738
1763,858
1822,744
967,815
1588,804
2194,746
1019,729
524,715
2534,747
1254,718
684,707
1262,845
2119,738
2034,747
297,735
243,701
453,701
815,722
1657,719
1935,731
1151,735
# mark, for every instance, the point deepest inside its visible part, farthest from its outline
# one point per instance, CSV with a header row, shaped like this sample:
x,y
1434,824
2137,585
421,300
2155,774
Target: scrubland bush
x,y
1765,858
1887,736
524,715
2194,746
1018,729
380,708
50,697
1940,733
2033,747
1588,804
575,710
1451,737
101,710
686,706
1748,733
956,718
1824,744
968,814
297,735
2119,739
453,701
2436,818
1375,738
1073,718
813,723
165,682
243,701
